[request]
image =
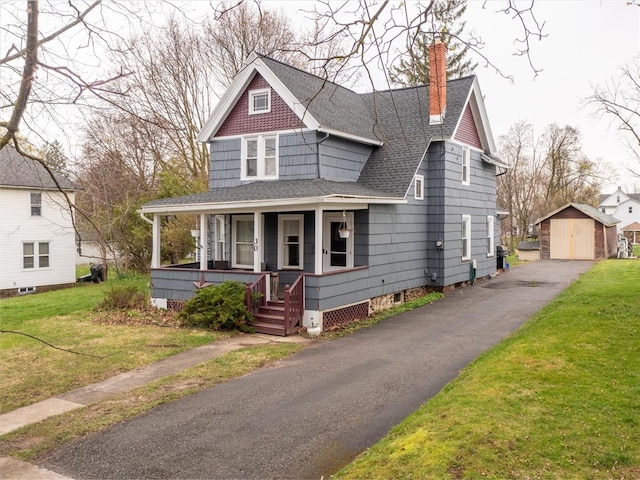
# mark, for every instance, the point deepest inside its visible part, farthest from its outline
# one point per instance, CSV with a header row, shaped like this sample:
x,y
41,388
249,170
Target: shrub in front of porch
x,y
219,307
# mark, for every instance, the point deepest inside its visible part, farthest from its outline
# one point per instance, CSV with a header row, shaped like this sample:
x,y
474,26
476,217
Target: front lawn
x,y
558,399
33,370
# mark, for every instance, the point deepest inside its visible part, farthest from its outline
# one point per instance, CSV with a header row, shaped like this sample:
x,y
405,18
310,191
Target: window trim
x,y
466,165
257,92
466,237
234,242
36,205
260,161
37,255
220,250
418,187
281,242
491,241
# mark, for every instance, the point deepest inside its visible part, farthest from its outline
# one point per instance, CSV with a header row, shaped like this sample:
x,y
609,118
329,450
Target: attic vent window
x,y
259,101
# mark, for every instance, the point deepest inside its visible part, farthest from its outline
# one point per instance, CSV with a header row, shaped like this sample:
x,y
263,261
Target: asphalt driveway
x,y
312,413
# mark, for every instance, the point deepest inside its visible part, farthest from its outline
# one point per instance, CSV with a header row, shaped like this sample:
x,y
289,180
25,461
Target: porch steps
x,y
270,319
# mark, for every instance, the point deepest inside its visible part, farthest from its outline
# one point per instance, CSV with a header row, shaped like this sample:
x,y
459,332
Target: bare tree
x,y
39,70
620,102
520,188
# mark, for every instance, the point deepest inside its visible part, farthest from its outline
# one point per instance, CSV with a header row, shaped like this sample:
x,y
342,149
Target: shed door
x,y
572,239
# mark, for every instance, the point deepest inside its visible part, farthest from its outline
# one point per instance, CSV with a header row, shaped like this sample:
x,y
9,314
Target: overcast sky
x,y
587,42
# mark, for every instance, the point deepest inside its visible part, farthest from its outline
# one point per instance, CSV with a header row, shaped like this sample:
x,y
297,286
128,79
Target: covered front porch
x,y
303,259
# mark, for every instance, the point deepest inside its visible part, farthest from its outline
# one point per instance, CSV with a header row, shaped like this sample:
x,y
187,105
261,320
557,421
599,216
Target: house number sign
x,y
255,244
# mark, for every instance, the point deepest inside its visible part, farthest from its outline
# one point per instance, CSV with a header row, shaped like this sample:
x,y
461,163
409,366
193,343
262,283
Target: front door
x,y
337,252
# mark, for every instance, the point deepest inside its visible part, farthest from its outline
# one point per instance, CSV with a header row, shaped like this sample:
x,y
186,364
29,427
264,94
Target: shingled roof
x,y
396,122
17,170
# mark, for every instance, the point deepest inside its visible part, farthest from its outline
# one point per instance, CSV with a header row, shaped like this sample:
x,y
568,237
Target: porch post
x,y
319,251
257,247
204,242
155,245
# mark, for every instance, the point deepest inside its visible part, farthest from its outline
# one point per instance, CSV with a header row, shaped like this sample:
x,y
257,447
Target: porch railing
x,y
293,305
256,294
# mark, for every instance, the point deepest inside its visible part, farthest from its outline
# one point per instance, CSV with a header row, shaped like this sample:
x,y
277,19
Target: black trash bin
x,y
501,253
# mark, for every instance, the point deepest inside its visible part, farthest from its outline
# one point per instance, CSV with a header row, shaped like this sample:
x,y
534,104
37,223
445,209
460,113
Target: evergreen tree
x,y
445,24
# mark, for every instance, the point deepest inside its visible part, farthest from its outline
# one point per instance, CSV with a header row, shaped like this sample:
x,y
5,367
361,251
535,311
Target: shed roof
x,y
597,215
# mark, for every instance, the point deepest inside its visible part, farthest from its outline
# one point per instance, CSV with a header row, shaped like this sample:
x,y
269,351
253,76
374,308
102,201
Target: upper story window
x,y
630,209
260,157
259,101
35,255
466,166
419,187
618,199
36,204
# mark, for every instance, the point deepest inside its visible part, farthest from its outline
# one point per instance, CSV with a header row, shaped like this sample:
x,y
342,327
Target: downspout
x,y
149,221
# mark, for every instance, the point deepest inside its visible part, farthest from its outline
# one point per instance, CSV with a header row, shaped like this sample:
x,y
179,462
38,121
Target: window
x,y
290,241
259,101
260,157
419,187
32,260
630,209
604,210
220,253
36,204
243,241
466,237
618,199
490,236
466,166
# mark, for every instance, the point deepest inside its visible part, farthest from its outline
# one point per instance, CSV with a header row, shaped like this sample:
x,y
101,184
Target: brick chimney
x,y
437,82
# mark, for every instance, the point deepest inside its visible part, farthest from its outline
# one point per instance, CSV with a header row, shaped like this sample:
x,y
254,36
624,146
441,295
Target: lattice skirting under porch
x,y
342,316
175,305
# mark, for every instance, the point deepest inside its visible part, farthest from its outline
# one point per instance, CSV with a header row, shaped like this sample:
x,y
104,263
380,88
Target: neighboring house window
x,y
419,187
259,101
260,157
220,252
490,236
604,210
243,241
36,204
466,166
630,209
466,237
35,255
618,199
290,241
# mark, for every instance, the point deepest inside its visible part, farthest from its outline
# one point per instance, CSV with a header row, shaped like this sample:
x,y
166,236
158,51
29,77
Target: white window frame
x,y
37,255
491,245
256,93
466,165
260,162
419,187
282,243
466,237
36,204
234,256
220,252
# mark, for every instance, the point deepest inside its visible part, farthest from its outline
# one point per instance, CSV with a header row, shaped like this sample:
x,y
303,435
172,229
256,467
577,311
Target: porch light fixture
x,y
343,229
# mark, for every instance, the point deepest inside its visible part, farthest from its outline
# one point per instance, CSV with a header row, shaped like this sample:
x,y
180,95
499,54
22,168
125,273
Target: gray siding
x,y
342,160
224,164
298,156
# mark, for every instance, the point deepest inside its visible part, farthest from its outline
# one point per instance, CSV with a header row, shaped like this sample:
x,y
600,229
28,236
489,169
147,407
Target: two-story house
x,y
351,200
626,208
37,238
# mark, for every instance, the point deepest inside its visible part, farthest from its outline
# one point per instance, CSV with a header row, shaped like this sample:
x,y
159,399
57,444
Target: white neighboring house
x,y
37,238
624,206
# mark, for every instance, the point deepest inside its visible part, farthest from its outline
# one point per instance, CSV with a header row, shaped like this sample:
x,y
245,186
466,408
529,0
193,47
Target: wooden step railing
x,y
256,294
293,305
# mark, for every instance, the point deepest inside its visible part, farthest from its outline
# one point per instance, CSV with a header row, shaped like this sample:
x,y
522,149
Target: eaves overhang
x,y
272,205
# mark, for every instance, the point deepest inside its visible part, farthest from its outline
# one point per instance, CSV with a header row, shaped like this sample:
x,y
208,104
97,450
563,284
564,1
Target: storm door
x,y
337,250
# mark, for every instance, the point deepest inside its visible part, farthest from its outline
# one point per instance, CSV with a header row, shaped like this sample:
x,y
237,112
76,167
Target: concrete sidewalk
x,y
97,392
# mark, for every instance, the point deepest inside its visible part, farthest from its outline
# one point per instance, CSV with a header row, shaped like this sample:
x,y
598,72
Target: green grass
x,y
33,371
35,440
558,399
